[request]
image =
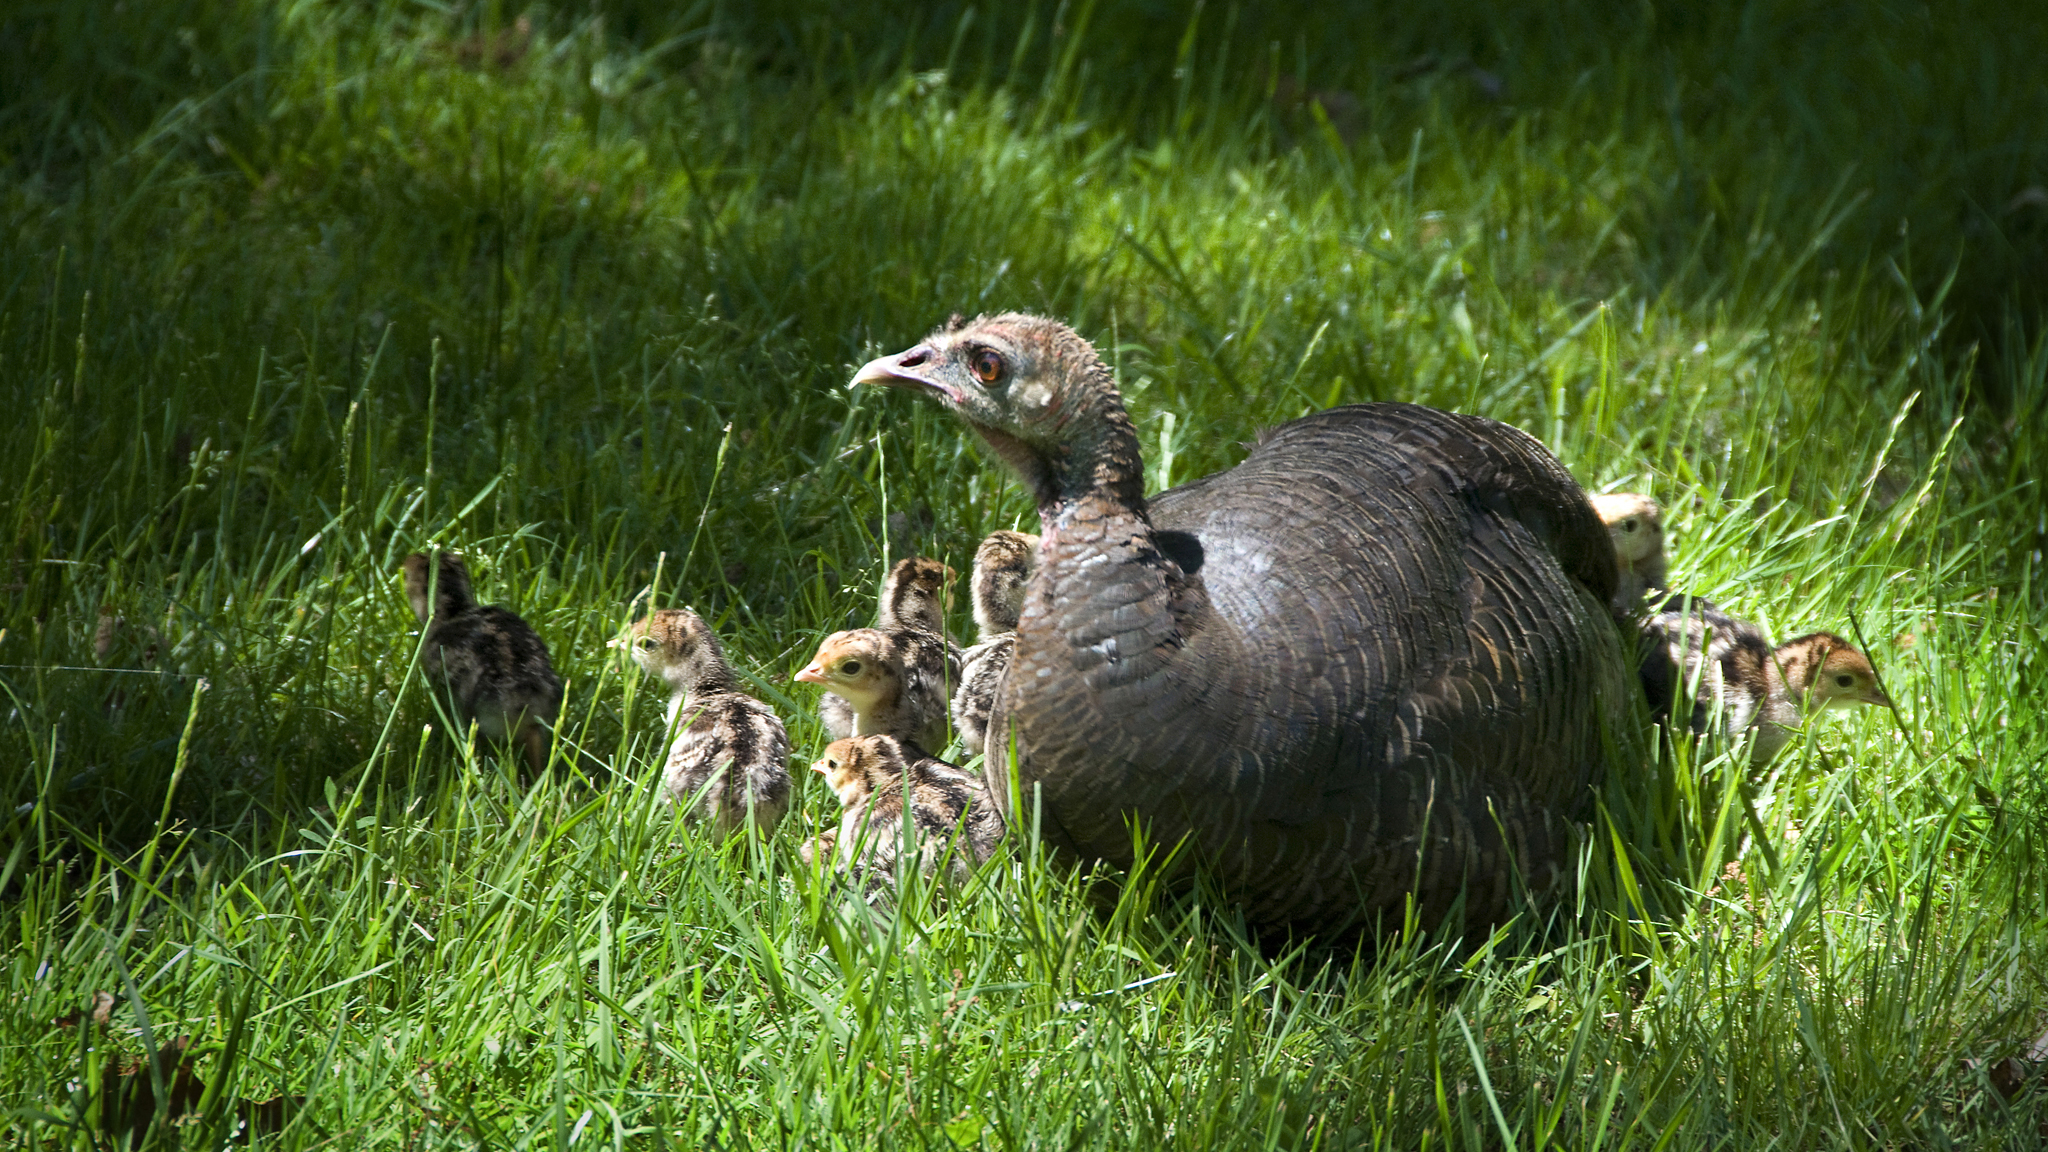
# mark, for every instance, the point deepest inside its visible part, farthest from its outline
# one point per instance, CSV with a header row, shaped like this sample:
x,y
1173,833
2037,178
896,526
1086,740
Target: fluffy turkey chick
x,y
1696,653
1636,525
913,600
914,596
878,681
1002,566
730,759
879,779
485,660
819,848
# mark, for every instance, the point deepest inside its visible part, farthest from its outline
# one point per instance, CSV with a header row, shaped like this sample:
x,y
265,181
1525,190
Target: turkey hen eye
x,y
850,668
987,366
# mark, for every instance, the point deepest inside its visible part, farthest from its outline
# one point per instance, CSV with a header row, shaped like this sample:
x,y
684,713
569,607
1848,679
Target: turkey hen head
x,y
1037,393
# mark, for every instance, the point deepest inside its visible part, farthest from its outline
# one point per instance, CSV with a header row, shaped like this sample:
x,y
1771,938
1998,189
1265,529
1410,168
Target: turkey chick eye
x,y
645,642
1846,681
1628,525
987,366
850,668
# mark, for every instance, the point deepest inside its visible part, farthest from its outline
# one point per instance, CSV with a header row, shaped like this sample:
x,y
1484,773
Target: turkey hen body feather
x,y
1379,657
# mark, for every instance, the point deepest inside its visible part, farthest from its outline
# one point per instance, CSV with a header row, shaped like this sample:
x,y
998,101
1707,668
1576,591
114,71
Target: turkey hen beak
x,y
909,369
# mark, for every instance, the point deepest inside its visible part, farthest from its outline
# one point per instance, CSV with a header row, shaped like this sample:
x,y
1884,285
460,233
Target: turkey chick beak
x,y
909,369
813,673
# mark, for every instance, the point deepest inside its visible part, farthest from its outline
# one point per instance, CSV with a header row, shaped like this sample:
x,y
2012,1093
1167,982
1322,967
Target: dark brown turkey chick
x,y
1002,566
883,682
484,660
879,779
1374,659
1635,523
730,758
1734,681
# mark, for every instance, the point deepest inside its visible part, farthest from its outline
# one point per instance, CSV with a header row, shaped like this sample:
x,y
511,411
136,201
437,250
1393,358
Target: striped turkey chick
x,y
730,758
819,849
914,596
1695,653
880,779
1636,525
914,601
1002,566
884,682
484,660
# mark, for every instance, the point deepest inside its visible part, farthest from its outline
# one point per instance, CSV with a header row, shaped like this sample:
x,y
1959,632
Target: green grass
x,y
289,291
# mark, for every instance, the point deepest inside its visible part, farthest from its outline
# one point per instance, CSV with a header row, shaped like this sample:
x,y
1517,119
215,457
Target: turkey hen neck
x,y
1090,489
1098,463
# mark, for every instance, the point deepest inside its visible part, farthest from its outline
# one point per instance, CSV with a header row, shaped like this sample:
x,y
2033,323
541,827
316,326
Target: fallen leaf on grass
x,y
102,1012
129,1093
2008,1076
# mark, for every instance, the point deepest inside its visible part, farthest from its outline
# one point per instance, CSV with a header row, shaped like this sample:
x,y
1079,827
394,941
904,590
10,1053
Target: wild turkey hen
x,y
1375,658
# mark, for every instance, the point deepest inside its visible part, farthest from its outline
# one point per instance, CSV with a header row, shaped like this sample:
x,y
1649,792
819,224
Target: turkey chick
x,y
950,820
879,681
914,596
913,600
1636,525
1696,653
1002,566
818,849
730,758
485,660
